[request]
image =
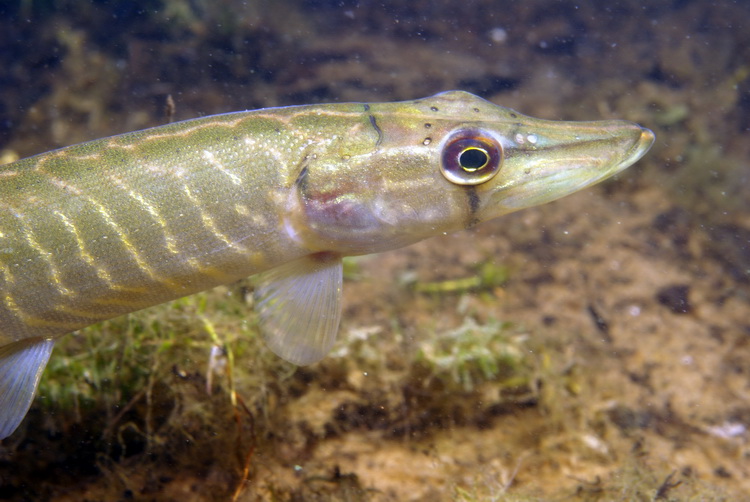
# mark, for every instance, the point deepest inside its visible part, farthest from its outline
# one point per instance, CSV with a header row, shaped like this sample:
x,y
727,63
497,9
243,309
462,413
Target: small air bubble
x,y
498,35
427,141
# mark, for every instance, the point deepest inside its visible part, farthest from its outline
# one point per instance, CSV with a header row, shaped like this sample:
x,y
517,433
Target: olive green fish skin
x,y
111,226
96,230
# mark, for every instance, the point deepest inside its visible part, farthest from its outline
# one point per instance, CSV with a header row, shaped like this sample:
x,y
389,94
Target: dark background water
x,y
78,70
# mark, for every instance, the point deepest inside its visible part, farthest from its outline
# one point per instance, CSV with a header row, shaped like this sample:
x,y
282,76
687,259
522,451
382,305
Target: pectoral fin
x,y
299,305
21,367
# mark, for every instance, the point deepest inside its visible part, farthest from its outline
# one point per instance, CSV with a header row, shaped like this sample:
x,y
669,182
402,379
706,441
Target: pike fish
x,y
111,226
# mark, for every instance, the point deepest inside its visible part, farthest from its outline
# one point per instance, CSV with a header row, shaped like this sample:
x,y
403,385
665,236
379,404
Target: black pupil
x,y
473,159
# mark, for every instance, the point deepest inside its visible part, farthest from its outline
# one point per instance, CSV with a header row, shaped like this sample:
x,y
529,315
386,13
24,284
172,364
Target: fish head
x,y
409,170
507,161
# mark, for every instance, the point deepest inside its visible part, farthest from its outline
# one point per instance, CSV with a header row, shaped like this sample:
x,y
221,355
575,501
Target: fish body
x,y
111,226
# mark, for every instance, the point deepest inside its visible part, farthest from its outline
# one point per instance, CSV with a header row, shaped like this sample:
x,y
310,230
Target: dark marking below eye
x,y
473,199
434,108
476,110
513,115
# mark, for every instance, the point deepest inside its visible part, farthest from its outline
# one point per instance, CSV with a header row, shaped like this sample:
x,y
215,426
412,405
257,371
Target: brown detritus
x,y
675,298
662,493
601,324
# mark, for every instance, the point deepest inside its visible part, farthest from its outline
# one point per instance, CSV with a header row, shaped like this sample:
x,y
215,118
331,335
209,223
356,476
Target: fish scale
x,y
104,228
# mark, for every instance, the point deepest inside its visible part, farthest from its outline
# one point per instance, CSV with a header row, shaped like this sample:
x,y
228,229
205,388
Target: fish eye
x,y
471,157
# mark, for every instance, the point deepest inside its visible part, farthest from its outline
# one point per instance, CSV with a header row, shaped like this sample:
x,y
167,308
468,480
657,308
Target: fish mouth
x,y
574,156
642,145
619,148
